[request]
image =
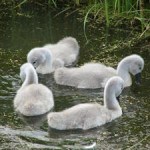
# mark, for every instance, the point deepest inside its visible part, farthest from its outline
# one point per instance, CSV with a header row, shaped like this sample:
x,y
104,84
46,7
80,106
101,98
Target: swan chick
x,y
89,115
32,98
95,75
48,58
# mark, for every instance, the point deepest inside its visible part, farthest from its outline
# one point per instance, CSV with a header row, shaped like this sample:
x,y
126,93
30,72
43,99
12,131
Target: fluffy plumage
x,y
88,115
95,75
52,56
32,98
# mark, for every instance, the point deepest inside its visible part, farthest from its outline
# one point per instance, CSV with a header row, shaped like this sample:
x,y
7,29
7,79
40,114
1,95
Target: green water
x,y
20,33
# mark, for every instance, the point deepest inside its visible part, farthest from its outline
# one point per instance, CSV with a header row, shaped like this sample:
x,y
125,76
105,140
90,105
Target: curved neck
x,y
123,72
30,77
49,59
47,64
110,100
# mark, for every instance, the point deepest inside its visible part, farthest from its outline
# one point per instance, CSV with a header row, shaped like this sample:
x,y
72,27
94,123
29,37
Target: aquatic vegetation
x,y
130,12
24,28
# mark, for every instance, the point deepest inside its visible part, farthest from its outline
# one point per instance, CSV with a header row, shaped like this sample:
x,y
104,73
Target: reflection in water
x,y
34,121
40,135
19,34
17,136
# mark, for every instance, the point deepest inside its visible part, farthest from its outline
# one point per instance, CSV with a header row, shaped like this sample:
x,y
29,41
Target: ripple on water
x,y
31,133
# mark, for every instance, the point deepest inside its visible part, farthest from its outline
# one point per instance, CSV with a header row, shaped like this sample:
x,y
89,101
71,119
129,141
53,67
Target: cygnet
x,y
52,56
86,116
32,98
95,75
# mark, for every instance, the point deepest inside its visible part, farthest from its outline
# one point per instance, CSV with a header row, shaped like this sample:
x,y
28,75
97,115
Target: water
x,y
19,33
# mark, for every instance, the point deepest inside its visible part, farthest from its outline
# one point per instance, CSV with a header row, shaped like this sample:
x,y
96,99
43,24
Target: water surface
x,y
22,32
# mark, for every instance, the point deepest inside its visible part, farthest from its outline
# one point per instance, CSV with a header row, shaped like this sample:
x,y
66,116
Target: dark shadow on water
x,y
54,133
34,121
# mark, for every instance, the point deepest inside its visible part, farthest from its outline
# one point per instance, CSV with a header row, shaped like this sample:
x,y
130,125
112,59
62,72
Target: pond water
x,y
20,33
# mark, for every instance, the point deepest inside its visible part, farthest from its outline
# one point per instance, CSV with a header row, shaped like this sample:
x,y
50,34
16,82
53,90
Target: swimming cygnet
x,y
95,75
88,115
32,98
52,56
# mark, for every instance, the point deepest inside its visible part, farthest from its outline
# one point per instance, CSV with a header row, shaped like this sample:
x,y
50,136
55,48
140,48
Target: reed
x,y
106,13
110,9
86,20
114,9
77,2
52,2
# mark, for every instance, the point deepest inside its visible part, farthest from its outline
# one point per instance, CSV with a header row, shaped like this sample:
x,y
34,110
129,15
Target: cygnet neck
x,y
49,58
110,100
123,72
47,64
30,77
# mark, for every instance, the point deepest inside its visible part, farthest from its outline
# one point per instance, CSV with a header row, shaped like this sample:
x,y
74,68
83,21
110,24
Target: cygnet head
x,y
136,67
133,64
115,83
28,68
112,91
38,56
23,70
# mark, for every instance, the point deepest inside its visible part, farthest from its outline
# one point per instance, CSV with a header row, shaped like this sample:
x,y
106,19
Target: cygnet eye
x,y
122,88
34,62
140,67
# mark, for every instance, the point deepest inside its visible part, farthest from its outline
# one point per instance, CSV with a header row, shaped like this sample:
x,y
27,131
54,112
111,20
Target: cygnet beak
x,y
118,98
34,67
138,78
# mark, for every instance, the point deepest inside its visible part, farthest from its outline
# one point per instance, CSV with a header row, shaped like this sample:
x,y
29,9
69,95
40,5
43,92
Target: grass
x,y
114,10
106,11
52,2
86,20
124,8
